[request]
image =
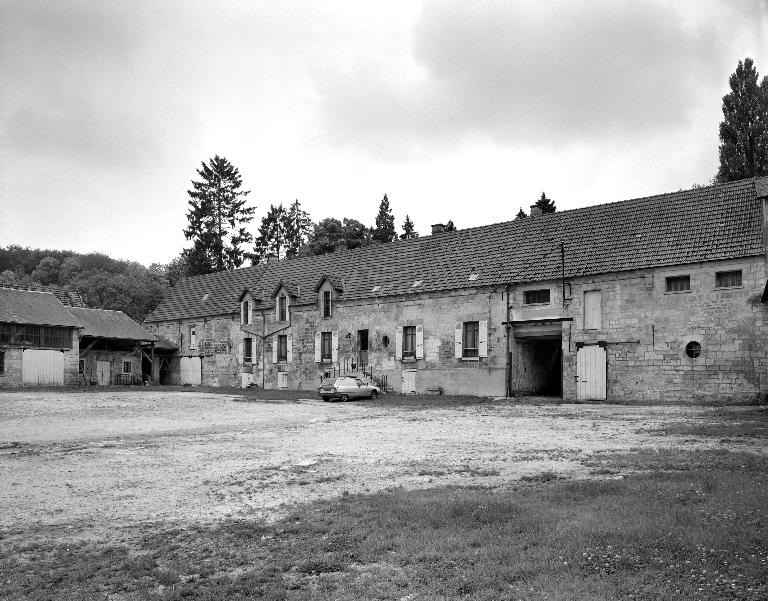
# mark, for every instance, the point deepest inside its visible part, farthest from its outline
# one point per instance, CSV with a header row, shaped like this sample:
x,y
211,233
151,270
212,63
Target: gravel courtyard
x,y
100,463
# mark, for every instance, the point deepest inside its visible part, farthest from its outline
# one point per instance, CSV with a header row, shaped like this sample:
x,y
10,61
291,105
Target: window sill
x,y
536,304
728,287
677,292
470,359
408,360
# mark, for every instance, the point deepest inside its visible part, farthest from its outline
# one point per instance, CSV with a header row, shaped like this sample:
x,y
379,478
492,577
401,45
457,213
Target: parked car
x,y
346,388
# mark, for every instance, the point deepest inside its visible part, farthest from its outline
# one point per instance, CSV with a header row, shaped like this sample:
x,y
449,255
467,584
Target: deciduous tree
x,y
744,128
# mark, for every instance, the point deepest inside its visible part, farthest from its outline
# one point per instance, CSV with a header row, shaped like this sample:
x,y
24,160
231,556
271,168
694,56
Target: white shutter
x,y
420,342
243,316
240,353
335,347
250,312
274,348
289,344
482,339
399,342
318,343
457,349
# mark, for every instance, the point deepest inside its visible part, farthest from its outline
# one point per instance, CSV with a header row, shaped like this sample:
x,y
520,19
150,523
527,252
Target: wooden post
x,y
152,367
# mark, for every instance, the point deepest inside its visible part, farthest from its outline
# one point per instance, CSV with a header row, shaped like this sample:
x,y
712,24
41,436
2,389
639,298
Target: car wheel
x,y
326,398
374,394
344,397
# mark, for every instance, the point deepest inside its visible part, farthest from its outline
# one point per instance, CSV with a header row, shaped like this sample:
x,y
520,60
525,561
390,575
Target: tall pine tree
x,y
409,230
272,238
450,226
545,204
744,128
521,214
385,223
217,215
297,229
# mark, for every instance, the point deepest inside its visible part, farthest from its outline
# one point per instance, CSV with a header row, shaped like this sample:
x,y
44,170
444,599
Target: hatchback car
x,y
346,388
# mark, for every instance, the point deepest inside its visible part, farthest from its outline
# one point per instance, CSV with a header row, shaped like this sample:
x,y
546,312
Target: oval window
x,y
385,341
693,349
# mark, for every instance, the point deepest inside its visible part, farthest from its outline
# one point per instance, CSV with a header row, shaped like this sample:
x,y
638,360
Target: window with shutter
x,y
282,348
326,353
247,350
469,342
409,342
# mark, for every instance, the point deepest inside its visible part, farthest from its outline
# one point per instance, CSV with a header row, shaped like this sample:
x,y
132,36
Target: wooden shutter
x,y
482,338
457,349
289,345
335,347
592,310
240,355
250,312
419,341
243,314
275,341
399,342
318,349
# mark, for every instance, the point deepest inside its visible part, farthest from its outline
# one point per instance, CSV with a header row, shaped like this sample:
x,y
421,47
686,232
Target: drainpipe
x,y
263,340
508,327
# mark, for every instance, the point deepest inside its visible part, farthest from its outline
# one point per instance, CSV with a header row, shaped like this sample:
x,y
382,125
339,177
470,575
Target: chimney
x,y
535,210
438,228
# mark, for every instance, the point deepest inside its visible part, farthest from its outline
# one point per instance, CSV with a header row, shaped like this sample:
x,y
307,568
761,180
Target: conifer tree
x,y
450,227
521,214
409,230
744,128
297,229
217,216
272,234
385,223
545,204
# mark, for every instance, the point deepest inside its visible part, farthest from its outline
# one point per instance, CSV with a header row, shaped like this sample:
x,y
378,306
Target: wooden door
x,y
282,380
42,368
591,363
190,371
409,381
103,373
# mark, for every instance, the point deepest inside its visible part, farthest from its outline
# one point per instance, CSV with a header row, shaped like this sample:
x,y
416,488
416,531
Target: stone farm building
x,y
47,338
653,299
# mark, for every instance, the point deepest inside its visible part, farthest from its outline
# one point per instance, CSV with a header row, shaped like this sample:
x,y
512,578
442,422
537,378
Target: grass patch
x,y
698,531
725,423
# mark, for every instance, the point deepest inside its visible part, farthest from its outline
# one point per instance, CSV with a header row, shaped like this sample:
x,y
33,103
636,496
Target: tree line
x,y
218,219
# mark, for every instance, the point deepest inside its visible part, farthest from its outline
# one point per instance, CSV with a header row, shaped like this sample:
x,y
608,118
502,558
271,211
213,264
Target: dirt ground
x,y
101,463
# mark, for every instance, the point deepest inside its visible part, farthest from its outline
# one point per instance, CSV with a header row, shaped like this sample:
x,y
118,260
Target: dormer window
x,y
245,313
282,308
326,308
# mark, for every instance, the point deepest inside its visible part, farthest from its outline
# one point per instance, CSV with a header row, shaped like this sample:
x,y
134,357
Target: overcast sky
x,y
456,110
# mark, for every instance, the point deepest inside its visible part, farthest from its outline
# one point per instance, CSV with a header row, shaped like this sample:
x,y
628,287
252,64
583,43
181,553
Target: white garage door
x,y
190,371
42,368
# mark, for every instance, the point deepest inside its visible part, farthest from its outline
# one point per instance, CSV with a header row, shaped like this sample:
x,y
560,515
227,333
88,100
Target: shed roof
x,y
34,308
704,224
116,325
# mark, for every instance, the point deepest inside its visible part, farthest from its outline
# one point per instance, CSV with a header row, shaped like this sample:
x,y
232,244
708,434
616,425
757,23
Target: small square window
x,y
678,283
127,367
536,297
728,279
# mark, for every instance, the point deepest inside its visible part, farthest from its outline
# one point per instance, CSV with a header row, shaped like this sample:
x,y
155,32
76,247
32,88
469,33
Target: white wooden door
x,y
190,371
282,380
103,373
409,381
42,368
591,371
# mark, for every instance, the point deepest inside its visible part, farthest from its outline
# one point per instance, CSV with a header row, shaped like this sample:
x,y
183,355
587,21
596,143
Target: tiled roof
x,y
703,224
110,324
35,308
68,298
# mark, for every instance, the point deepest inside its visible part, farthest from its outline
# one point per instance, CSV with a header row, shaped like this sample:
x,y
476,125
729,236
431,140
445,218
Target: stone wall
x,y
12,376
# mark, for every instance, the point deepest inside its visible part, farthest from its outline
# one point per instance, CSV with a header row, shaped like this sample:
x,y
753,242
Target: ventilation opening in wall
x,y
693,349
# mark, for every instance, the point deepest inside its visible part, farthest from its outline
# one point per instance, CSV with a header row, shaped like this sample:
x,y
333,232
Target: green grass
x,y
693,527
725,423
